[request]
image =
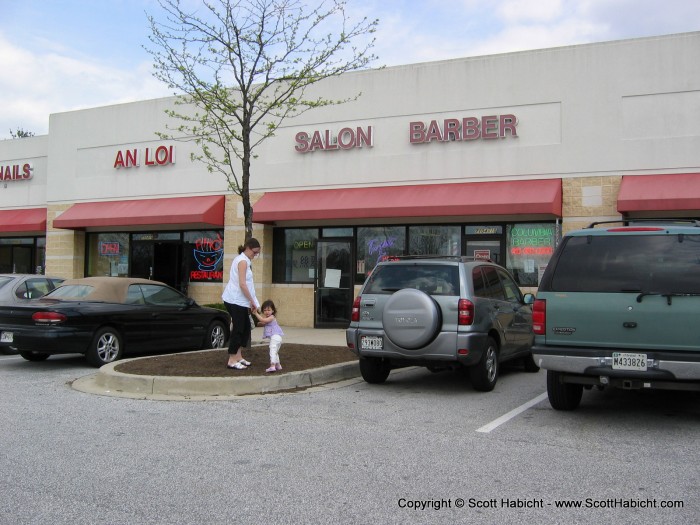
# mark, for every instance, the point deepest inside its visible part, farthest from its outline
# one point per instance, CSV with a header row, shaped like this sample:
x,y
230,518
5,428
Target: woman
x,y
240,300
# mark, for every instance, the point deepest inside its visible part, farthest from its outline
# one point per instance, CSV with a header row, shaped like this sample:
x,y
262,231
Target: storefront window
x,y
16,255
156,236
204,255
336,232
374,243
108,254
295,255
40,255
434,240
529,248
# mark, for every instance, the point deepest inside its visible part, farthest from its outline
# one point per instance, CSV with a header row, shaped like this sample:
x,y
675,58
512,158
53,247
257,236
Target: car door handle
x,y
629,324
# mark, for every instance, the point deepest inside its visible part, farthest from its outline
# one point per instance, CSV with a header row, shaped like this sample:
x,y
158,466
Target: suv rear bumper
x,y
444,348
680,366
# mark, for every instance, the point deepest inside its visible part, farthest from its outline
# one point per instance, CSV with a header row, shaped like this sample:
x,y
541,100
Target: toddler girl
x,y
272,331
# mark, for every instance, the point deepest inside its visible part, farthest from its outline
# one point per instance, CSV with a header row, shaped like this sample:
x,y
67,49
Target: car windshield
x,y
432,279
630,263
5,280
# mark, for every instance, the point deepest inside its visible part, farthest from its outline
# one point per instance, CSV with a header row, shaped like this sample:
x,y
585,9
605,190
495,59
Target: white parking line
x,y
510,415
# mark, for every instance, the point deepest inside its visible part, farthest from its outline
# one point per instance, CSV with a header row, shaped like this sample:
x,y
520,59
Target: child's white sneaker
x,y
271,369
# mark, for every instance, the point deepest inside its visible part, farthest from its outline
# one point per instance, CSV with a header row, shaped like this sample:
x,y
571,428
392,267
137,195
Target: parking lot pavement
x,y
408,451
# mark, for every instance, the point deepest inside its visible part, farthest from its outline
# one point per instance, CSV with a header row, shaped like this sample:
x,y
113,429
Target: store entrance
x,y
334,288
16,259
484,248
157,260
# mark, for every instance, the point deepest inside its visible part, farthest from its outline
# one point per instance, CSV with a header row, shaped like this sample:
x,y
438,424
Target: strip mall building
x,y
493,156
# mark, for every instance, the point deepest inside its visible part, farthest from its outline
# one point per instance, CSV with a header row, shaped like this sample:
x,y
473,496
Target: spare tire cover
x,y
411,319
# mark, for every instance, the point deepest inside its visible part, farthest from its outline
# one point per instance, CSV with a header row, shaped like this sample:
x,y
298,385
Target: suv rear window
x,y
429,278
629,263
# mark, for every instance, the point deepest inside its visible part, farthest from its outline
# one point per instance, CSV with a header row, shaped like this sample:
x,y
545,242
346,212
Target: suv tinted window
x,y
432,279
512,291
492,284
629,263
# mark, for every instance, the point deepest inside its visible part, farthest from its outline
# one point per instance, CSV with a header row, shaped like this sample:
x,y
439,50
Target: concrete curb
x,y
109,382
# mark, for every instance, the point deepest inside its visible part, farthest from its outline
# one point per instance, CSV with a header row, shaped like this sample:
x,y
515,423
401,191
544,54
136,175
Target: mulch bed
x,y
212,363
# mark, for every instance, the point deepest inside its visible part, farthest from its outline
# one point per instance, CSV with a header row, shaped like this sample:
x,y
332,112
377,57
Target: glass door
x,y
334,288
166,267
481,248
142,259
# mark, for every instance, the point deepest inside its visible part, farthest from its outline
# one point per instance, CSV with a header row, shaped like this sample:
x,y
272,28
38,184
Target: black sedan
x,y
106,317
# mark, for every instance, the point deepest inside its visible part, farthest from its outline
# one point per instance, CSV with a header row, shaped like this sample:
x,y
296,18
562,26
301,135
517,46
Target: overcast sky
x,y
61,55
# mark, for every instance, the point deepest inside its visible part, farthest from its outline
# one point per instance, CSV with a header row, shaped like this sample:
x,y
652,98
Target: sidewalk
x,y
109,382
312,336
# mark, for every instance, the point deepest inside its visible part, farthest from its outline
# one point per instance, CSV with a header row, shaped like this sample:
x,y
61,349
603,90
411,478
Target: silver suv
x,y
441,313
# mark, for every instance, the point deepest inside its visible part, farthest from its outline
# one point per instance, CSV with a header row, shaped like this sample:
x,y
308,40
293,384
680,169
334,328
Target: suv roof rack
x,y
458,258
659,220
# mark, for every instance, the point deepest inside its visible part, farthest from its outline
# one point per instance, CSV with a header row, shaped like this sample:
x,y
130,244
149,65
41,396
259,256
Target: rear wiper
x,y
666,295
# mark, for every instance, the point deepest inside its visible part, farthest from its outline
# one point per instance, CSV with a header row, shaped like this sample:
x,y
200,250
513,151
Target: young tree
x,y
244,66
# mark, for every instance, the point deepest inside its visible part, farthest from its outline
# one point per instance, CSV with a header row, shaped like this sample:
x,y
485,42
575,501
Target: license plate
x,y
6,337
623,361
371,342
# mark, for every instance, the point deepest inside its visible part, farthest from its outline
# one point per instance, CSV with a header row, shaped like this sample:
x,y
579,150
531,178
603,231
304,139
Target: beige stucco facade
x,y
585,116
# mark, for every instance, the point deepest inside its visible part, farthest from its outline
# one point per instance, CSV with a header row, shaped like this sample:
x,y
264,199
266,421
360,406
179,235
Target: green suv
x,y
619,306
441,313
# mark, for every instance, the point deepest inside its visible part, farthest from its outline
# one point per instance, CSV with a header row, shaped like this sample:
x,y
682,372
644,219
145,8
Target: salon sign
x,y
132,158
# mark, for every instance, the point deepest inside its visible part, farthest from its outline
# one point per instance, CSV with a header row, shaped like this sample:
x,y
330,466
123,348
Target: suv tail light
x,y
539,317
48,317
465,314
355,315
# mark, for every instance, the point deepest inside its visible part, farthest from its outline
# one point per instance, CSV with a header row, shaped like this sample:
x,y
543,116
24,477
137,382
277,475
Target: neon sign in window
x,y
109,248
207,255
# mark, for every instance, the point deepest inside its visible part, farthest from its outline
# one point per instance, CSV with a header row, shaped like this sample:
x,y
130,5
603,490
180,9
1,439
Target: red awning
x,y
195,212
523,197
672,192
23,221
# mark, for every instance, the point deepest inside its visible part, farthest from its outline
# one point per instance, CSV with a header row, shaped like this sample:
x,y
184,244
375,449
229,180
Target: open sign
x,y
109,248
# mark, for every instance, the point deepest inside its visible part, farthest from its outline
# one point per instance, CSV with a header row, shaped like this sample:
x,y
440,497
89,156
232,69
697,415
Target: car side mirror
x,y
529,298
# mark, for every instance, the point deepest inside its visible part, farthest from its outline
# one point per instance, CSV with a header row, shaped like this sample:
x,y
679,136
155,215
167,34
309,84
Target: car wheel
x,y
562,396
106,347
530,365
484,374
34,356
216,335
411,319
374,370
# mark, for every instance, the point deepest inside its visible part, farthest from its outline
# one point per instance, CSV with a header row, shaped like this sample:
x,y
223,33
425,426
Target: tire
x,y
216,335
562,396
34,356
484,374
106,347
374,370
530,365
411,319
